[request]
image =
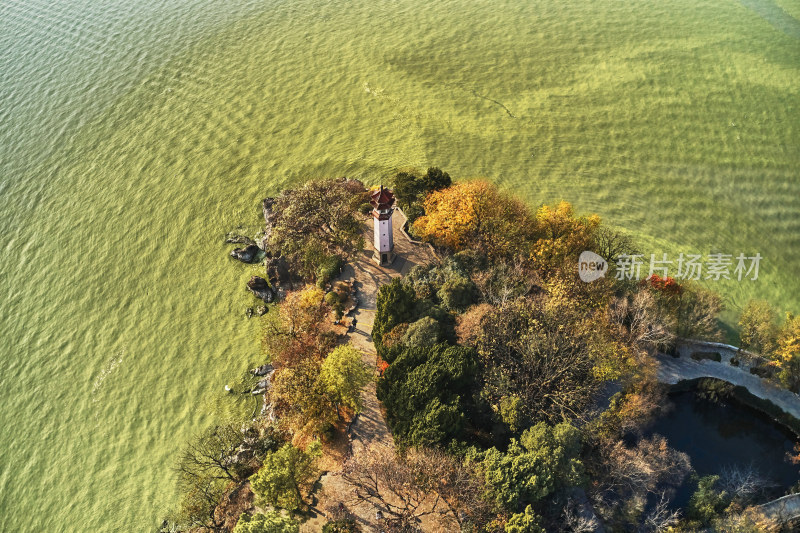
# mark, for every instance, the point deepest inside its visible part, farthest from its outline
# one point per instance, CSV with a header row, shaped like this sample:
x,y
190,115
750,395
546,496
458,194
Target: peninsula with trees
x,y
432,361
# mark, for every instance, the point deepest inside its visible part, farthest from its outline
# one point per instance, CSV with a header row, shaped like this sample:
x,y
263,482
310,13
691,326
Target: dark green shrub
x,y
424,332
525,522
406,188
413,211
328,268
332,298
544,459
707,503
434,180
458,293
425,390
410,188
396,304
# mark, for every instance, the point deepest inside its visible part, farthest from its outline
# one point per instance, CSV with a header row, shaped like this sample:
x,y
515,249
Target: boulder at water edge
x,y
248,254
261,289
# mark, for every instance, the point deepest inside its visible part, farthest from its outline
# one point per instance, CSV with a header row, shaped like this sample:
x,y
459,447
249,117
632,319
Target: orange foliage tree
x,y
304,329
474,214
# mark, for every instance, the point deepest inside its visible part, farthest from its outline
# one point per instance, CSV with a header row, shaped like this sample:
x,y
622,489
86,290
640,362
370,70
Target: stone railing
x,y
409,238
747,359
783,510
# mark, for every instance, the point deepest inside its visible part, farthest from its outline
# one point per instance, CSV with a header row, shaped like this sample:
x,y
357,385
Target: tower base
x,y
383,258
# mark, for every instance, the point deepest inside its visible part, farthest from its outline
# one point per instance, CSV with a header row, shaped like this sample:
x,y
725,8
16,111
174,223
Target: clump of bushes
x,y
411,189
761,332
337,298
328,269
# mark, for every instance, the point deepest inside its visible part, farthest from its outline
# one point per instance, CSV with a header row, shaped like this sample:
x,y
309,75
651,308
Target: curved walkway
x,y
674,369
782,510
368,431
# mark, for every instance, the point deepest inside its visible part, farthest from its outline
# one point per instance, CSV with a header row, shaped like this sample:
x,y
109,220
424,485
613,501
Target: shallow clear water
x,y
134,135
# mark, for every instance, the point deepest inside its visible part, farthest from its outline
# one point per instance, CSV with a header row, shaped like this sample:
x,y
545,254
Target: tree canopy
x,y
269,522
316,221
758,328
411,189
344,375
287,475
425,391
549,354
544,459
474,214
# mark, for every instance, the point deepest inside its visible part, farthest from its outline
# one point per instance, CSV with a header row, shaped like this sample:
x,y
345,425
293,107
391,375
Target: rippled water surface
x,y
134,135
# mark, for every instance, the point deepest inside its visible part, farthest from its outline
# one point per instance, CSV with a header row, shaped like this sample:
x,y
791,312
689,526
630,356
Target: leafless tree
x,y
609,244
641,322
660,518
221,458
742,482
199,501
506,280
422,484
215,454
650,467
697,312
575,521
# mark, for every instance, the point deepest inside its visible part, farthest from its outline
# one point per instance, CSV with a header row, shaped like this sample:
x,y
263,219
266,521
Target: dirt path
x,y
368,430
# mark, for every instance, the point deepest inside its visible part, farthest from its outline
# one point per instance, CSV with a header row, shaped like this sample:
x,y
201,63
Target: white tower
x,y
382,201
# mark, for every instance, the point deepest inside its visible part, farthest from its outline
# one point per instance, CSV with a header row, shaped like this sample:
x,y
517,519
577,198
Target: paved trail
x,y
369,429
674,369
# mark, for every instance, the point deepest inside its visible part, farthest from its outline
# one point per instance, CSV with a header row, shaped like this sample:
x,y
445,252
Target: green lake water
x,y
134,135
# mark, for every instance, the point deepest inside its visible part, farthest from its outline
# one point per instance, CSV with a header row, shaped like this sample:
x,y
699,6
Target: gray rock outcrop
x,y
235,238
261,289
248,254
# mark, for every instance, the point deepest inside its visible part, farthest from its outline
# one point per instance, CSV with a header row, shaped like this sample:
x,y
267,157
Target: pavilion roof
x,y
382,198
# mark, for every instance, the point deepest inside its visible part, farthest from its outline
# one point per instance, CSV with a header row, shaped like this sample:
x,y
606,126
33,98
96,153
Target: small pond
x,y
717,435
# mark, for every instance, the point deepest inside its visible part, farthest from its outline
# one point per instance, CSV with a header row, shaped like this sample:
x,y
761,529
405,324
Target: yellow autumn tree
x,y
789,339
304,311
474,214
562,236
788,353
